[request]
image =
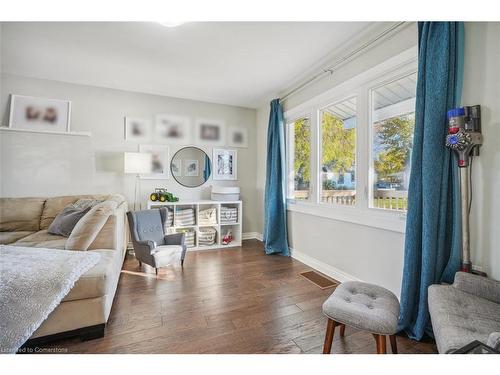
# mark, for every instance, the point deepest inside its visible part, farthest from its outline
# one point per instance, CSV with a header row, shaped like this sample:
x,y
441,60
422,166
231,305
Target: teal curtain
x,y
433,237
275,231
207,170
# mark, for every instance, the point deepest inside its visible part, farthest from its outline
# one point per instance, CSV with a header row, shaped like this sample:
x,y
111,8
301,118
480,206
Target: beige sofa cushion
x,y
10,237
97,281
42,239
89,226
56,204
20,214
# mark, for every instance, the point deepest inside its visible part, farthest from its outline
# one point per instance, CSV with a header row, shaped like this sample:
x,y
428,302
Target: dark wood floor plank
x,y
223,301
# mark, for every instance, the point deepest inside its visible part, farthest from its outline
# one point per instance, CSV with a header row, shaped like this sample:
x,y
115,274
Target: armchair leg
x,y
140,263
156,270
182,262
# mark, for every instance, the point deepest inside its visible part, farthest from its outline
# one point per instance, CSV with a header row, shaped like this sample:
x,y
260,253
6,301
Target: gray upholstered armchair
x,y
151,245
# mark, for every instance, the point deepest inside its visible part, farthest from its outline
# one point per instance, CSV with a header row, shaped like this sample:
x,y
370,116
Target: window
x,y
349,148
299,135
393,121
338,153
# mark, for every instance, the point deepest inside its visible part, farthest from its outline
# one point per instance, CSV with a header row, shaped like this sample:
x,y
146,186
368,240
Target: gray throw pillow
x,y
66,220
84,203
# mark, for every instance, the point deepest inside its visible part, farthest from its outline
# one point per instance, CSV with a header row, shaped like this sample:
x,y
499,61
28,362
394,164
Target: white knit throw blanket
x,y
33,281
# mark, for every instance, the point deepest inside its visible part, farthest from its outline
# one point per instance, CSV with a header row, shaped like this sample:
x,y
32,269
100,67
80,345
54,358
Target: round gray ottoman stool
x,y
365,307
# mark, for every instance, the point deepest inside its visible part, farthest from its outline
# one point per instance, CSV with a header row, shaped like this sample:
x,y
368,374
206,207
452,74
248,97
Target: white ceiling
x,y
232,63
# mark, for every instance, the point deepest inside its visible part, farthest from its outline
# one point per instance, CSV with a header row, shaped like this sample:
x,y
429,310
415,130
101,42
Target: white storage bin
x,y
225,193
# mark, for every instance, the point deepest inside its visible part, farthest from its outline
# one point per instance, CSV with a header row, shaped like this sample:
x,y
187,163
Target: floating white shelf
x,y
197,206
14,130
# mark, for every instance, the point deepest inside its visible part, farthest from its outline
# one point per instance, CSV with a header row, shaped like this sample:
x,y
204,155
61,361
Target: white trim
x,y
377,218
15,130
322,267
252,236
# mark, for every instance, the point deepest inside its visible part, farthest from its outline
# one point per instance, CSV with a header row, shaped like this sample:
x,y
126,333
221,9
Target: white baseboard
x,y
252,236
322,267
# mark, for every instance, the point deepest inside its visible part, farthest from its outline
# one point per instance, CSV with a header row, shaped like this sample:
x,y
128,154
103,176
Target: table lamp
x,y
136,163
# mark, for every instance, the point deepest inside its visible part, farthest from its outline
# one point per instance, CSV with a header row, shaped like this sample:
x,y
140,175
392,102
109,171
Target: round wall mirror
x,y
190,167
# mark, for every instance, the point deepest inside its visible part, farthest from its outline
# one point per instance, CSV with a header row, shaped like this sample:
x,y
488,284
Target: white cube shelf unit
x,y
221,228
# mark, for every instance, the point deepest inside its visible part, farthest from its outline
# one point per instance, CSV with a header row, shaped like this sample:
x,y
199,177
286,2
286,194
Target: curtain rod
x,y
343,59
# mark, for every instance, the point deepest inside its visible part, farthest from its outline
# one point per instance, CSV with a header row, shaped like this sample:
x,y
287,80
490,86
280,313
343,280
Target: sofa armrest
x,y
175,239
478,285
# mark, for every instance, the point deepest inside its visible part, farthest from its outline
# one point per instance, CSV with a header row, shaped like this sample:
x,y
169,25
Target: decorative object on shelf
x,y
185,217
172,128
206,236
210,132
40,114
189,236
162,195
207,216
176,167
193,159
228,238
159,161
136,163
237,137
228,215
225,164
137,129
225,193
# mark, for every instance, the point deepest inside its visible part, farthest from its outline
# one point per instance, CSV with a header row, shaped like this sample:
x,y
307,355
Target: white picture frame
x,y
191,168
176,167
210,132
137,129
225,164
39,114
160,159
172,129
237,137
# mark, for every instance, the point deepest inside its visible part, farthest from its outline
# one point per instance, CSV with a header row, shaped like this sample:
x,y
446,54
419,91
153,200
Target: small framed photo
x,y
210,132
172,129
237,137
32,113
192,168
225,164
160,157
137,129
176,167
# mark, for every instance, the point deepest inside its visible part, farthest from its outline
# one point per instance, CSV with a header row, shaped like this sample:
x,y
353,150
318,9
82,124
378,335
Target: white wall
x,y
53,165
482,86
376,255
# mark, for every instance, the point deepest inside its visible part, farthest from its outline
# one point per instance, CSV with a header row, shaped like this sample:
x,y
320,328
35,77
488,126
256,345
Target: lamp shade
x,y
136,162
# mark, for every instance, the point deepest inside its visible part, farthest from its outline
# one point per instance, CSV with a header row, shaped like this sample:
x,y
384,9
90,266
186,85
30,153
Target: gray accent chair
x,y
366,307
465,311
151,245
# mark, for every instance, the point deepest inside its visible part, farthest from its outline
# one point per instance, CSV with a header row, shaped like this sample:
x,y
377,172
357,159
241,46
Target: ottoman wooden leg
x,y
330,330
381,348
394,345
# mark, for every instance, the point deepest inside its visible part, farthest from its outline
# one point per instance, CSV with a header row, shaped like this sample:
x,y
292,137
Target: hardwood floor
x,y
223,301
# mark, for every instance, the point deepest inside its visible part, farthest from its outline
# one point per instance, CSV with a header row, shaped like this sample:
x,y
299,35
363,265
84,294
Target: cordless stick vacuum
x,y
465,138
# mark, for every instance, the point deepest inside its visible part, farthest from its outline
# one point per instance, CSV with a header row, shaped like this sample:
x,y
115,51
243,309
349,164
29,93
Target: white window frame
x,y
371,171
289,153
361,87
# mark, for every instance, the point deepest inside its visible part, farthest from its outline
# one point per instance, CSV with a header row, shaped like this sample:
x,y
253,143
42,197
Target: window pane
x,y
300,159
393,114
338,153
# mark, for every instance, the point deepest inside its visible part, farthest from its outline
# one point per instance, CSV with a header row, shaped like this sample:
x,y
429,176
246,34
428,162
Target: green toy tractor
x,y
162,195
